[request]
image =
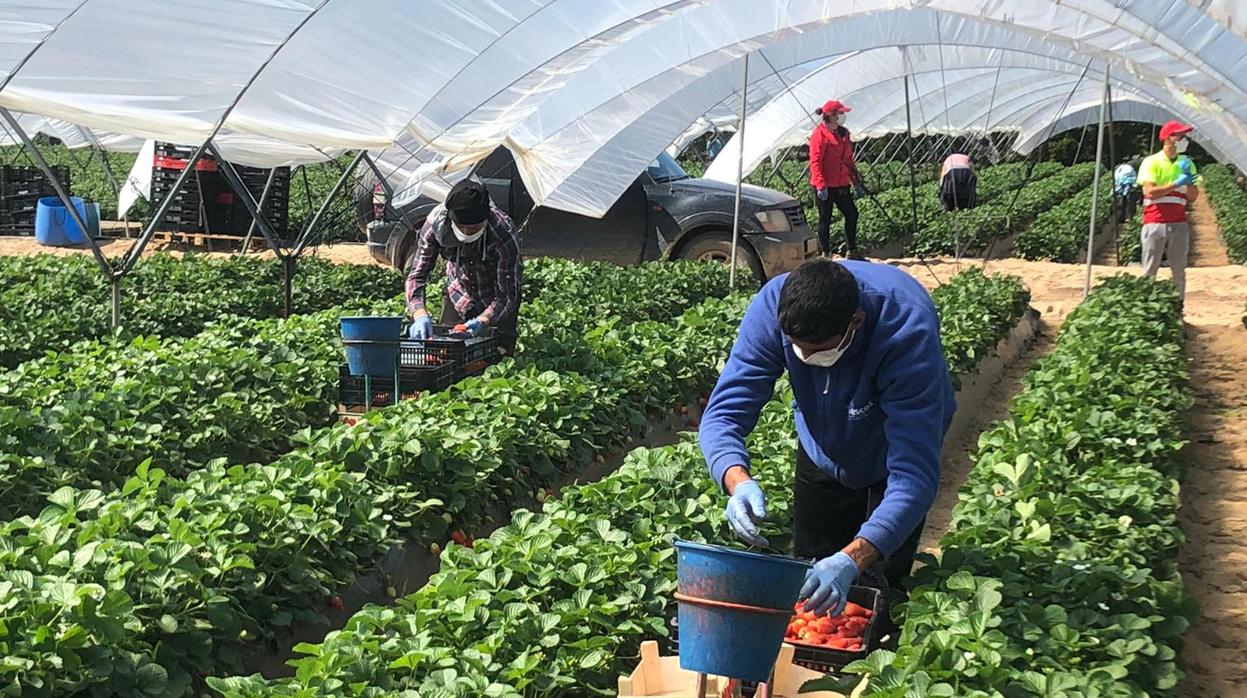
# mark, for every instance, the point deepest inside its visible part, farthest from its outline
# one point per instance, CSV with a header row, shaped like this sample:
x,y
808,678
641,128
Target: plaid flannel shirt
x,y
482,278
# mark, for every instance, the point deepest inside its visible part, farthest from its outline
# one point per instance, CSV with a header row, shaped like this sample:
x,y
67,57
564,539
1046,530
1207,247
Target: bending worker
x,y
483,266
958,183
834,176
1169,180
873,399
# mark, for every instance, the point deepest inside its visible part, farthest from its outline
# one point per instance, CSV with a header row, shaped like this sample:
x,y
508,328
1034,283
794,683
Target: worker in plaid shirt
x,y
483,266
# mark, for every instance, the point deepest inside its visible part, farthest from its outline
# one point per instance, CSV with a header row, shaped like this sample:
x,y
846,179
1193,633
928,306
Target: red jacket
x,y
831,158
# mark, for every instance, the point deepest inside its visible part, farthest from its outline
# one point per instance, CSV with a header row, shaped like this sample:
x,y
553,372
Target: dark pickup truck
x,y
665,214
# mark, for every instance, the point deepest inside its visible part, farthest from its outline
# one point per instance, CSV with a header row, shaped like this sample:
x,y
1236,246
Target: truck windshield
x,y
666,169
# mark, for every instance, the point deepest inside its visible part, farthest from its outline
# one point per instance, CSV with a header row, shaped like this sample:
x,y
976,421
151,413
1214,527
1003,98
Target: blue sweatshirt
x,y
879,413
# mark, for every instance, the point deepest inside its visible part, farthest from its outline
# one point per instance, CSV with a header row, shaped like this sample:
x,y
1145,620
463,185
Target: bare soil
x,y
1214,513
342,253
1207,250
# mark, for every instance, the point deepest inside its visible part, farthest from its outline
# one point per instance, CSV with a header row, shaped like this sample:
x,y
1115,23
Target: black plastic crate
x,y
821,659
411,381
470,357
18,181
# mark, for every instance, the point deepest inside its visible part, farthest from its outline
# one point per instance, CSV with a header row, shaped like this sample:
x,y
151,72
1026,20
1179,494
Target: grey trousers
x,y
1176,239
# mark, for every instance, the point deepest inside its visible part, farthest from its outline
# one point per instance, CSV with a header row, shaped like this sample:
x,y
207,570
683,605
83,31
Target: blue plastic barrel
x,y
372,344
734,608
54,226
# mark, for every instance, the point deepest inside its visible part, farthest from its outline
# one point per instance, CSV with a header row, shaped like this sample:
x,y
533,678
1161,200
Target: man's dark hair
x,y
817,301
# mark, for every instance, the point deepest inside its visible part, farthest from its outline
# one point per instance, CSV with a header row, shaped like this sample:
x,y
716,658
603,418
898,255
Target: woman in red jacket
x,y
833,174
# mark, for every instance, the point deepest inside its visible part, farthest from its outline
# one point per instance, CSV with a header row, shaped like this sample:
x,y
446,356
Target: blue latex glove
x,y
827,584
1183,180
823,194
859,190
421,328
1185,164
474,327
745,508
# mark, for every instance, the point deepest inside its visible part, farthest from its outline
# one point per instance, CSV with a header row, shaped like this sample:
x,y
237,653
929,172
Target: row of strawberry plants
x,y
1229,202
241,389
558,602
942,232
200,567
1130,241
48,303
1060,575
1059,234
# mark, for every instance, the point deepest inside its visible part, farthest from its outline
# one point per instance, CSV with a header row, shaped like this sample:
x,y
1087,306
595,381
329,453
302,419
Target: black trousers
x,y
841,198
959,190
827,516
504,329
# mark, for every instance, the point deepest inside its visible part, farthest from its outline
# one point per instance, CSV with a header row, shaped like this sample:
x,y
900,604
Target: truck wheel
x,y
717,247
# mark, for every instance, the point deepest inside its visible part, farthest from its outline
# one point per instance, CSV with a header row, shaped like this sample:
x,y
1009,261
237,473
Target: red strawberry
x,y
336,602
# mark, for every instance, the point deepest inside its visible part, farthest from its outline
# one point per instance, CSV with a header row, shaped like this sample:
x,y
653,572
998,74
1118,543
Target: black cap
x,y
468,202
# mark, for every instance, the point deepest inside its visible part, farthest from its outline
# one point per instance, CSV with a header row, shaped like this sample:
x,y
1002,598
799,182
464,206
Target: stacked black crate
x,y
197,207
207,204
20,191
276,204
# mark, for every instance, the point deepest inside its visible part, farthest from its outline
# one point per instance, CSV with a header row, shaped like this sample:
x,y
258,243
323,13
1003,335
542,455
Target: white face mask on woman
x,y
826,358
1181,145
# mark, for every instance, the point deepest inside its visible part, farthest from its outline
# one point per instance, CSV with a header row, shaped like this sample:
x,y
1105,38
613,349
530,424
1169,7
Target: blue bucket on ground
x,y
54,226
734,608
372,344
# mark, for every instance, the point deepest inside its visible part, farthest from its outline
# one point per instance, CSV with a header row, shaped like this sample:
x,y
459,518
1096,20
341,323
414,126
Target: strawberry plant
x,y
1229,202
49,303
1059,233
1059,574
285,537
558,602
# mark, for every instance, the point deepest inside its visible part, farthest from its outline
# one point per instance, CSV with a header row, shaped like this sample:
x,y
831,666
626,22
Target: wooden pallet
x,y
662,677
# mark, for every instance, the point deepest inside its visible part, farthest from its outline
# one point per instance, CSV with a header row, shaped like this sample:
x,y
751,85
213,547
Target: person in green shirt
x,y
1170,184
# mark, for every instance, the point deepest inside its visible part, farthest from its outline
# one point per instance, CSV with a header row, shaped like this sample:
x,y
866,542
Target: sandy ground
x,y
1214,513
344,253
959,456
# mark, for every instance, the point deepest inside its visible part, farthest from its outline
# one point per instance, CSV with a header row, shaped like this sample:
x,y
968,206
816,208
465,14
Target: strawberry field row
x,y
48,303
1059,232
201,568
1229,202
1059,575
558,602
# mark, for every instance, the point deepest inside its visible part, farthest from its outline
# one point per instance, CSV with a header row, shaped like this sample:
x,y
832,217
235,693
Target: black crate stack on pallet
x,y
207,204
20,191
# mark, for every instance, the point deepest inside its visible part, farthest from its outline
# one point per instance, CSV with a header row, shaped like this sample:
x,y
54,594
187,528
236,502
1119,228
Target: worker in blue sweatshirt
x,y
861,343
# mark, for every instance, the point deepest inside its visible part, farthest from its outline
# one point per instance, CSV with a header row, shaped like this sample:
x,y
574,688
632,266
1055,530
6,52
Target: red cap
x,y
834,106
1174,128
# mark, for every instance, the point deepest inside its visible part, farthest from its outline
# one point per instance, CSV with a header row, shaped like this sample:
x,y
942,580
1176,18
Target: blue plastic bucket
x,y
371,344
734,608
54,226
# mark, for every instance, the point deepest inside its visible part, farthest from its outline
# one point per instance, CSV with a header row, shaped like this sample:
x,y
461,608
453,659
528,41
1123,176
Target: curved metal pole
x,y
740,170
1095,185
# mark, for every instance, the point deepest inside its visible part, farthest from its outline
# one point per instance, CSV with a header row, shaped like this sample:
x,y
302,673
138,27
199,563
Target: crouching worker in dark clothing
x,y
484,268
958,183
873,400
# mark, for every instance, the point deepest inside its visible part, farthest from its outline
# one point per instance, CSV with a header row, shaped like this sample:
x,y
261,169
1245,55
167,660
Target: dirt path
x,y
959,459
343,253
1206,247
1214,513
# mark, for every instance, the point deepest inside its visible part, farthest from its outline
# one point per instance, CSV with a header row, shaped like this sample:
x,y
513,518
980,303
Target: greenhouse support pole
x,y
740,170
61,192
913,177
268,185
240,189
306,236
1095,184
114,283
136,250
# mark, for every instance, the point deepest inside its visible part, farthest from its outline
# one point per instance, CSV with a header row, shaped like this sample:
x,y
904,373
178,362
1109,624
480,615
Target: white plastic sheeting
x,y
585,92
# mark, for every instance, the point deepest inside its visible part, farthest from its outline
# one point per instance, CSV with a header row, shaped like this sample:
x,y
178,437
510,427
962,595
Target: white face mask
x,y
826,358
1182,145
464,238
